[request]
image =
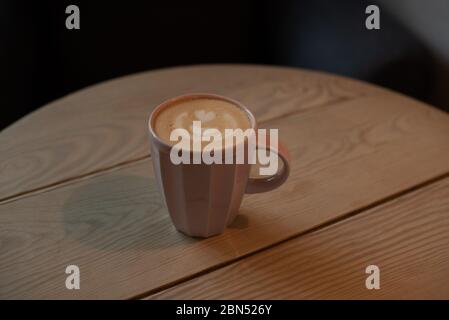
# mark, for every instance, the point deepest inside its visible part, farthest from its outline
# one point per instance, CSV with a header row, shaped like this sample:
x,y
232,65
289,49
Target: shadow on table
x,y
124,212
120,212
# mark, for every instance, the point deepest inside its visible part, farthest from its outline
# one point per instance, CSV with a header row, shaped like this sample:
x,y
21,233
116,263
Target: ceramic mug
x,y
203,199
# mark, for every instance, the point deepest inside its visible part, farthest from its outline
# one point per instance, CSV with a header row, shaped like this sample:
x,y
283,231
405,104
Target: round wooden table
x,y
369,185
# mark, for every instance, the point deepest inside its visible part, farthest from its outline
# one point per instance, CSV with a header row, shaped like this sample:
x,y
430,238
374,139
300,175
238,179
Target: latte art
x,y
211,113
204,116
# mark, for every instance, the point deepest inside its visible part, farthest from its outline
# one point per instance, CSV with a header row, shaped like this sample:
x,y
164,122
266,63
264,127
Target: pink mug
x,y
203,199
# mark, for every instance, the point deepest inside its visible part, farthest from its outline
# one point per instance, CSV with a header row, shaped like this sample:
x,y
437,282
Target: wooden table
x,y
369,186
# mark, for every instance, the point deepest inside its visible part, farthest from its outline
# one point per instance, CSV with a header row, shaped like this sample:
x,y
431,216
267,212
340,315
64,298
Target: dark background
x,y
41,60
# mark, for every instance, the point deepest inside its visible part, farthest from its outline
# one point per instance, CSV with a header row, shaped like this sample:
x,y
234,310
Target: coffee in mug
x,y
203,198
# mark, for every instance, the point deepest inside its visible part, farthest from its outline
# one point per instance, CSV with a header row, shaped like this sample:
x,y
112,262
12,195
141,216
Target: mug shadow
x,y
126,212
120,212
240,222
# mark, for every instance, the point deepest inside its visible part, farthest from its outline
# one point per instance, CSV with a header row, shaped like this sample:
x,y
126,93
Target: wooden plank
x,y
407,238
115,228
105,125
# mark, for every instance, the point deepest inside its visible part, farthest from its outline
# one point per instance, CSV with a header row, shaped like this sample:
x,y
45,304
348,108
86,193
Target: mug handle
x,y
258,185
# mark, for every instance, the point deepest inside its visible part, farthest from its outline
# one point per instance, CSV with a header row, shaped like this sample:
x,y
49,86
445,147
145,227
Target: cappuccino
x,y
211,113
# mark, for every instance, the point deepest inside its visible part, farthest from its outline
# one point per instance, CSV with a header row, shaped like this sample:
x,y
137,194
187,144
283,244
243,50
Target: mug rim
x,y
192,96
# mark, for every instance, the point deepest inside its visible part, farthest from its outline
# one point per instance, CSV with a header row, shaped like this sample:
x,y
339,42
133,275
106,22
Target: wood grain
x,y
105,125
346,156
406,238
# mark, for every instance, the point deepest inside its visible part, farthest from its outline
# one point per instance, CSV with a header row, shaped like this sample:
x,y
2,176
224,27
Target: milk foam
x,y
212,113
